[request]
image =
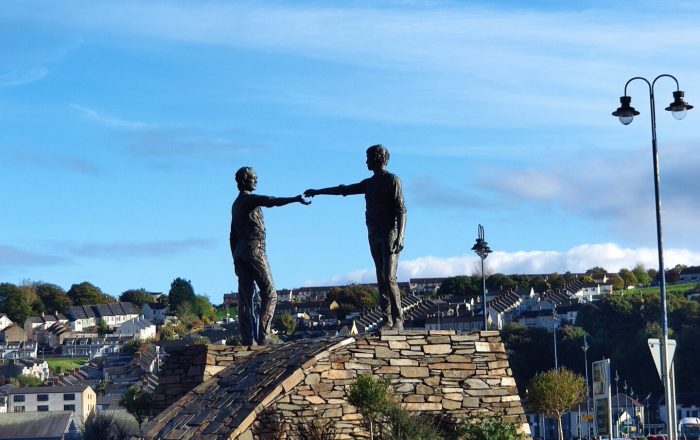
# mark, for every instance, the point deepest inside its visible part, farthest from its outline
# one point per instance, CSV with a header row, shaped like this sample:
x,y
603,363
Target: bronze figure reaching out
x,y
247,241
385,216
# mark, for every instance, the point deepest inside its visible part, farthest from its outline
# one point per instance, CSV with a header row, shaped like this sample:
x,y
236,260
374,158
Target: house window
x,y
70,396
42,408
68,407
19,409
42,397
18,398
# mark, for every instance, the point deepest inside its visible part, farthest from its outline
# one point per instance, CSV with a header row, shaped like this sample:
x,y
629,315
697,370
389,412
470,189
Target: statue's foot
x,y
398,325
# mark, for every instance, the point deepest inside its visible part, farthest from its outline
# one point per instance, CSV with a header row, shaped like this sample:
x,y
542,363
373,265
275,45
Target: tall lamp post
x,y
617,395
554,332
585,348
626,410
481,248
626,113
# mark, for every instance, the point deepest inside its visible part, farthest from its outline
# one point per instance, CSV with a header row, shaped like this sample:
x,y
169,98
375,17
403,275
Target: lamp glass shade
x,y
626,120
679,114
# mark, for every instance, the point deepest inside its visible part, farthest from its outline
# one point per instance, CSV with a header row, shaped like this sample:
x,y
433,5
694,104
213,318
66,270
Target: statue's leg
x,y
268,295
392,263
246,314
376,246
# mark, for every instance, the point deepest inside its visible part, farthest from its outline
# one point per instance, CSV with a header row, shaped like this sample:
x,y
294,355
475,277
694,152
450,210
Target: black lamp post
x,y
626,113
481,247
585,348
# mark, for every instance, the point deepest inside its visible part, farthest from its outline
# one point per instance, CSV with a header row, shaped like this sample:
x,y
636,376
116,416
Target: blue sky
x,y
122,123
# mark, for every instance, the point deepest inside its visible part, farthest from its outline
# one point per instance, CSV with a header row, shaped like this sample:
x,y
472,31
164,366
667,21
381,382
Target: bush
x,y
104,426
490,428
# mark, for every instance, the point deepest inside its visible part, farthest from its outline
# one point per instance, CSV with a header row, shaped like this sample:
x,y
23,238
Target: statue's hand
x,y
310,193
397,246
301,200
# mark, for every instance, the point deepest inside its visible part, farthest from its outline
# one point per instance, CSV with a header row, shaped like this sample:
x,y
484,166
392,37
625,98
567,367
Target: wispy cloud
x,y
11,256
610,256
428,191
111,121
156,140
155,248
43,160
15,78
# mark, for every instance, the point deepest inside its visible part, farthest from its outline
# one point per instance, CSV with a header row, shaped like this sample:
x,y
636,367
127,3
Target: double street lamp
x,y
482,249
626,113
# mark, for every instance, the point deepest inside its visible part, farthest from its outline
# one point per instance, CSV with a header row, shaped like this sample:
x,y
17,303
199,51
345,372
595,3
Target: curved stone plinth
x,y
272,390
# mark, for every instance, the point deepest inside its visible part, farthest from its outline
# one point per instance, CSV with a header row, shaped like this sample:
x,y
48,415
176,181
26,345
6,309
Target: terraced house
x,y
113,315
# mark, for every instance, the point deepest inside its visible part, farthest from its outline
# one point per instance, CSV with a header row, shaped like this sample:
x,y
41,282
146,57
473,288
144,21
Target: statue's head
x,y
377,156
246,179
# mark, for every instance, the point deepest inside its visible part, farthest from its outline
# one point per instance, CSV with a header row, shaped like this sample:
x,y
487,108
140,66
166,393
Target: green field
x,y
60,364
680,289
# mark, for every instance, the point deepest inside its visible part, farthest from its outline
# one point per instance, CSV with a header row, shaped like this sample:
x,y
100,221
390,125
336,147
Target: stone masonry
x,y
266,392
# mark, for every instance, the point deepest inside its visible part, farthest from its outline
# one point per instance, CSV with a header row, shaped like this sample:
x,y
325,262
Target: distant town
x,y
86,351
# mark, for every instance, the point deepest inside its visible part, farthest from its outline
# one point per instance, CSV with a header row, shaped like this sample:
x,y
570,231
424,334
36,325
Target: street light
x,y
626,113
481,247
585,348
626,410
554,331
617,395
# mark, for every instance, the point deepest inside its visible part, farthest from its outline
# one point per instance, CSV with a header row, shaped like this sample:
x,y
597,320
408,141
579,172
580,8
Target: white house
x,y
139,328
113,315
80,399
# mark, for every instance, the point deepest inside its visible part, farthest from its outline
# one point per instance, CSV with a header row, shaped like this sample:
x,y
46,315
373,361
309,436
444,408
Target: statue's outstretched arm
x,y
340,190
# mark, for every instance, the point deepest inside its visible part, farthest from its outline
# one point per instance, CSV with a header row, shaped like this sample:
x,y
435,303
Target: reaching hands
x,y
301,199
310,193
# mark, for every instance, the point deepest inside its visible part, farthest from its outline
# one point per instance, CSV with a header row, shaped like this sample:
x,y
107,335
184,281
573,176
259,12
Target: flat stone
x,y
498,364
457,397
451,405
459,358
452,366
357,366
315,400
399,345
405,388
426,406
312,379
415,372
476,384
403,362
385,353
414,398
437,349
424,389
432,380
338,374
508,382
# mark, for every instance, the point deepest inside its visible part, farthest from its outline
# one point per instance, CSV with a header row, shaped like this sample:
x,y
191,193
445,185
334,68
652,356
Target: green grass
x,y
680,289
221,313
61,365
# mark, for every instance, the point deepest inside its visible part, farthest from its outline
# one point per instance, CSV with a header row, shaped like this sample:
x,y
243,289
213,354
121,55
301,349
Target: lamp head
x,y
678,107
625,112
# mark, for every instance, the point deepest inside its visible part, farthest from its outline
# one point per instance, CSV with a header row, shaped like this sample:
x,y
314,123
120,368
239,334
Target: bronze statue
x,y
250,261
385,216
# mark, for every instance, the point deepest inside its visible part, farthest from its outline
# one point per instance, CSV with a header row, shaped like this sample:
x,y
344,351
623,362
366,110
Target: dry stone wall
x,y
267,392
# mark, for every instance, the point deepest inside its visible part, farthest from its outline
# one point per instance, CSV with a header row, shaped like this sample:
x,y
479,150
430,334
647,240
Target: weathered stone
x,y
427,406
476,384
399,345
385,353
414,372
437,349
357,366
338,374
405,388
411,353
388,370
452,366
470,402
458,397
312,379
432,380
507,382
424,389
403,362
414,398
458,358
315,400
498,364
451,404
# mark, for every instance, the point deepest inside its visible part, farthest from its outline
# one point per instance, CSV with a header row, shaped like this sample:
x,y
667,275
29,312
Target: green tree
x,y
597,271
616,280
102,328
491,428
138,297
54,297
352,298
181,291
371,396
85,293
628,277
498,281
641,273
466,286
15,303
137,402
554,392
556,281
540,284
203,309
286,323
185,314
23,380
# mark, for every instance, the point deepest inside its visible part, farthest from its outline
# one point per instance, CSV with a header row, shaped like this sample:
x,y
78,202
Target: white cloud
x,y
17,78
578,259
111,121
